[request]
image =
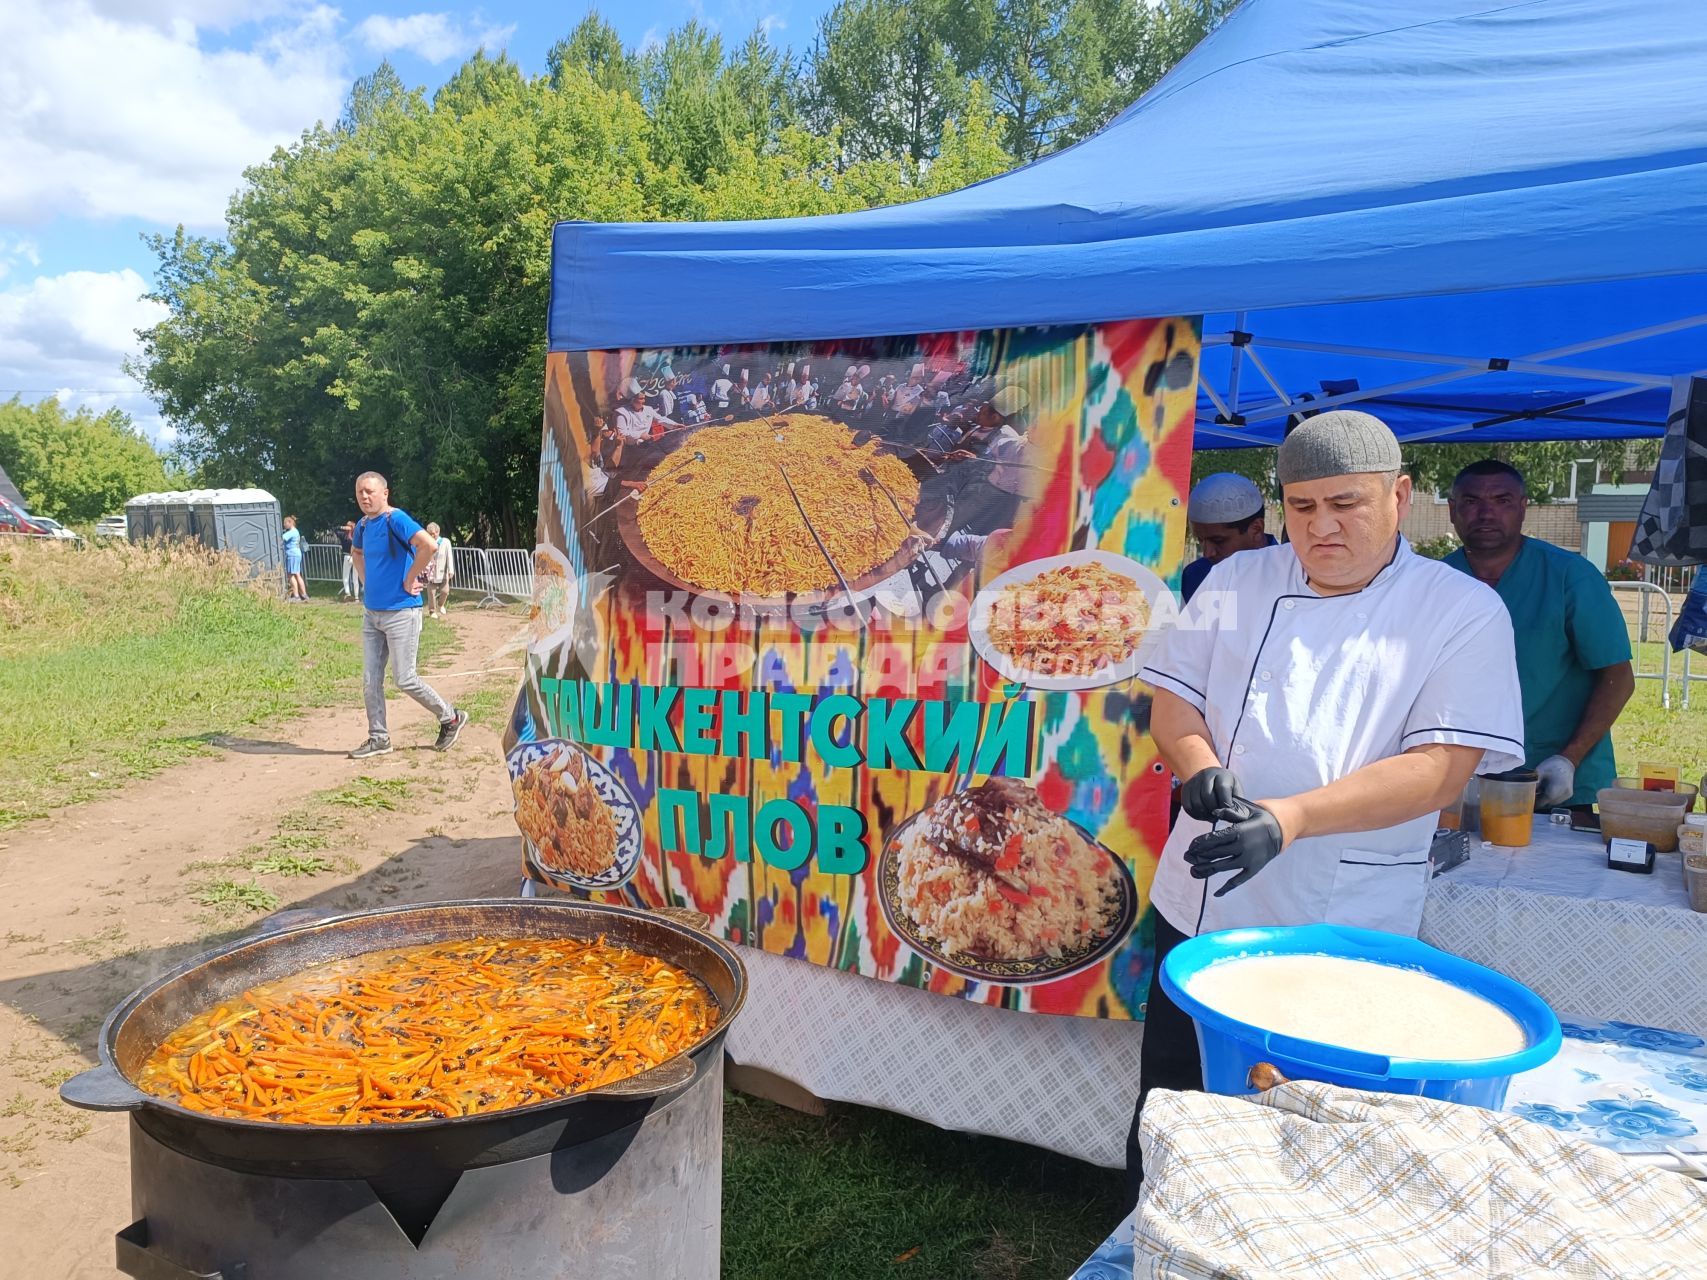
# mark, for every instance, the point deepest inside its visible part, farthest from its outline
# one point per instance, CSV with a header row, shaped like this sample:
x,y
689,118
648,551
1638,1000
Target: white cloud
x,y
222,15
16,249
109,108
772,22
68,335
433,36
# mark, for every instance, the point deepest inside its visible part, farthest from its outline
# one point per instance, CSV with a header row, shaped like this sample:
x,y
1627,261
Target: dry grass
x,y
50,589
117,661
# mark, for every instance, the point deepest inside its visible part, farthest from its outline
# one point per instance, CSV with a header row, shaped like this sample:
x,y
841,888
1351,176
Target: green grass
x,y
234,897
490,703
1648,733
290,865
864,1193
370,793
297,841
119,661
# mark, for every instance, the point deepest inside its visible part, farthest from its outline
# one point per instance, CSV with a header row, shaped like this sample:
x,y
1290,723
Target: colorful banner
x,y
837,643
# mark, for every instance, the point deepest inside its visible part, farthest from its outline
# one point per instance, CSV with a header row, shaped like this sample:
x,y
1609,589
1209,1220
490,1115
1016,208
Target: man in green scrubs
x,y
1573,648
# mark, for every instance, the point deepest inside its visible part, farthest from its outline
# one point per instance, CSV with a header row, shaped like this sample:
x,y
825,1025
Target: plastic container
x,y
1508,807
1692,835
1685,790
1653,816
1230,1047
1694,884
1470,807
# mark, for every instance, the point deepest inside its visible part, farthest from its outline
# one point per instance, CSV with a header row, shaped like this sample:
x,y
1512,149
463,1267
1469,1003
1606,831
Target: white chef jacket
x,y
636,424
1300,689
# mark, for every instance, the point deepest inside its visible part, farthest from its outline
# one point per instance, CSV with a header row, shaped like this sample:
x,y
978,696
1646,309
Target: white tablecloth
x,y
1611,944
1606,944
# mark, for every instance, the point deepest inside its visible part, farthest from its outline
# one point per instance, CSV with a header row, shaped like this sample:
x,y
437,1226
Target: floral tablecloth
x,y
1618,1085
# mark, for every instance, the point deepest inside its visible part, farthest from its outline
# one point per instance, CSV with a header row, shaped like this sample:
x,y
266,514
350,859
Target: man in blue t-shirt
x,y
1573,645
391,553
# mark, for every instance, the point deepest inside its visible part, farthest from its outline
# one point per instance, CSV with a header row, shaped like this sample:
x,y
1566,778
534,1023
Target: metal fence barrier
x,y
1675,579
1646,594
495,574
322,563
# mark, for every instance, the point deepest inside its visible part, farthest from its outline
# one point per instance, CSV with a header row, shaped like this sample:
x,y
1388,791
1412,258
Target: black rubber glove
x,y
1208,790
1249,842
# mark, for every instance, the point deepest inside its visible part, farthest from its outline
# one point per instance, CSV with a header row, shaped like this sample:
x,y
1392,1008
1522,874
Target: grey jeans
x,y
394,633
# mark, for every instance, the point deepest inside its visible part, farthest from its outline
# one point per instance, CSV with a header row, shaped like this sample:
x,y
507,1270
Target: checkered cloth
x,y
1316,1180
1672,529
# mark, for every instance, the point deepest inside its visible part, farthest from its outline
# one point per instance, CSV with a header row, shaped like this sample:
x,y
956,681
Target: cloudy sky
x,y
119,118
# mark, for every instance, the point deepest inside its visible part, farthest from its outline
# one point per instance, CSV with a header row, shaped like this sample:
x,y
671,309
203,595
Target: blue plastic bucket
x,y
1230,1048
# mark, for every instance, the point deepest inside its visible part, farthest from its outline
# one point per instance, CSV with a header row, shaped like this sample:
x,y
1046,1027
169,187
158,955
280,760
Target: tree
x,y
694,119
889,74
370,95
377,298
760,83
76,467
379,301
595,49
1033,84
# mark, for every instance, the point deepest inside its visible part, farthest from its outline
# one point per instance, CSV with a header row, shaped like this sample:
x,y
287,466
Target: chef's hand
x,y
1250,841
1208,790
1557,782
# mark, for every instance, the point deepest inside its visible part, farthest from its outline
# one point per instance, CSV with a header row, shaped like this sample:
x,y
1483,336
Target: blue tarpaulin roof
x,y
1349,181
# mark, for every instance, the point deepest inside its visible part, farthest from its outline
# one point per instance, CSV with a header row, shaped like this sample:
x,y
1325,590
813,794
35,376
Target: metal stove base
x,y
643,1203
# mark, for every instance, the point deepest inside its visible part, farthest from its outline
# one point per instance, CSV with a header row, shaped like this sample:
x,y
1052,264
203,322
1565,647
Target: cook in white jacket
x,y
1322,700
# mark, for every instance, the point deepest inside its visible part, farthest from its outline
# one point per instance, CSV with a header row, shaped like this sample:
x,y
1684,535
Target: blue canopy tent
x,y
1481,220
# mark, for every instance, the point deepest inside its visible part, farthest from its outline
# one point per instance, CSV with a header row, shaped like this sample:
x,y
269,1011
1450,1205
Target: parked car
x,y
112,526
55,529
14,520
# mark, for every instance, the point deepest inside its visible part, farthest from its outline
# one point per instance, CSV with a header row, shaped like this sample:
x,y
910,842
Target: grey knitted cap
x,y
1341,442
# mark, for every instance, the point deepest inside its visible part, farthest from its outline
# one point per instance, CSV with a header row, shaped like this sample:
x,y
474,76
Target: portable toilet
x,y
242,520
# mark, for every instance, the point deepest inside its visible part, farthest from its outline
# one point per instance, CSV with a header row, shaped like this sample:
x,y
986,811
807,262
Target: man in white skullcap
x,y
1320,724
1226,515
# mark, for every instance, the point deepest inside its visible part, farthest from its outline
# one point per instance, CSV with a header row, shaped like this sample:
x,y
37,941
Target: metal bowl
x,y
140,1023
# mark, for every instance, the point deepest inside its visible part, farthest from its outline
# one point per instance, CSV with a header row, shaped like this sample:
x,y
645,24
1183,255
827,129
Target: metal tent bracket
x,y
1245,344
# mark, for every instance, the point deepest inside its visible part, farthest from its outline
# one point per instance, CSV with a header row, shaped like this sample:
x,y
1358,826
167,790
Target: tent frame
x,y
1231,413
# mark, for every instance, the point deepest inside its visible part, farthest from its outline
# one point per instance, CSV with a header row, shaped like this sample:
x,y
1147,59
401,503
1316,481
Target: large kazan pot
x,y
621,1181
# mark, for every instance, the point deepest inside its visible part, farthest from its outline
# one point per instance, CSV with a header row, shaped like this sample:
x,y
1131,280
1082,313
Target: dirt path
x,y
98,899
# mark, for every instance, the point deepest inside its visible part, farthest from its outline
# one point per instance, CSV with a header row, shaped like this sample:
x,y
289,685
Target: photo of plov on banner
x,y
837,642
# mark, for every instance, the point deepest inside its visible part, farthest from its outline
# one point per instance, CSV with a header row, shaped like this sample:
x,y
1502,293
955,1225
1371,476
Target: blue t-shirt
x,y
292,544
1191,577
386,556
1567,626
